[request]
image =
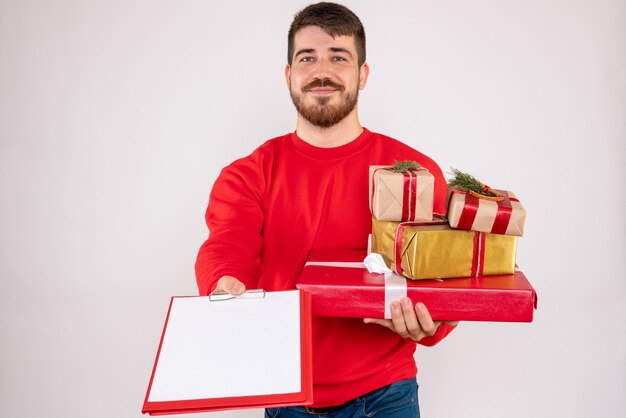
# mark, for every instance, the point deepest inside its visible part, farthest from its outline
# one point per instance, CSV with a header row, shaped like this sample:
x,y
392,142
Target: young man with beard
x,y
307,190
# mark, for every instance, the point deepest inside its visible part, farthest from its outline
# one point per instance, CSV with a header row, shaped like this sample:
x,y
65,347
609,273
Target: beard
x,y
321,113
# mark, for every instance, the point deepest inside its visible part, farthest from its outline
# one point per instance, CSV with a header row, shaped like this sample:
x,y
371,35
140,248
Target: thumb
x,y
387,323
230,285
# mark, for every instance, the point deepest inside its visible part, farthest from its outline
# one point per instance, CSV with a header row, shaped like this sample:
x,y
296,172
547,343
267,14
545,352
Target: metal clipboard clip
x,y
248,294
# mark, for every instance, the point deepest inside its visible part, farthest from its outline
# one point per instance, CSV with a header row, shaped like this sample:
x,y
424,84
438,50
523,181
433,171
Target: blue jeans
x,y
398,400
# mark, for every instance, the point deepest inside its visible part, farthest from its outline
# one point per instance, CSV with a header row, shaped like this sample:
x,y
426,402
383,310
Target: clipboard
x,y
218,353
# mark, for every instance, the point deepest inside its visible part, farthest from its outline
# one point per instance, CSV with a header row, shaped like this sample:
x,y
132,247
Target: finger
x,y
397,318
410,318
452,323
426,321
230,285
384,322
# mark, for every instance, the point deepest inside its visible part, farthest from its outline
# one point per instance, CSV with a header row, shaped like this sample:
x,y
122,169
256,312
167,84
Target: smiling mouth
x,y
322,90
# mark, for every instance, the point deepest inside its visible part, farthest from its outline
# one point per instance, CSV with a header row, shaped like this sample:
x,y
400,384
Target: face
x,y
324,77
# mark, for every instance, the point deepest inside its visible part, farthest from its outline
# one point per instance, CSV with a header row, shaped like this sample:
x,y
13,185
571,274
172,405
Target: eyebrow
x,y
311,50
345,51
304,51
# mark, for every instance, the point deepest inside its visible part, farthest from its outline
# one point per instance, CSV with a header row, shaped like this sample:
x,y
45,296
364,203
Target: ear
x,y
287,76
364,73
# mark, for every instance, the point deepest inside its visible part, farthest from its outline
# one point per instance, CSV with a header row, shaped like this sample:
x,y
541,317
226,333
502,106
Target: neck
x,y
337,135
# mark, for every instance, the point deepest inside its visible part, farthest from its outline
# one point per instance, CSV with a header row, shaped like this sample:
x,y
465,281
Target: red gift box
x,y
340,286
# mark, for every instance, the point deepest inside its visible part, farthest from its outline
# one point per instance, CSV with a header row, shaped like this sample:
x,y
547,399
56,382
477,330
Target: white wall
x,y
116,117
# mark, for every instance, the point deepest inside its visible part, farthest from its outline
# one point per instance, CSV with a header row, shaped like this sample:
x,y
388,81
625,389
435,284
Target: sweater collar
x,y
342,151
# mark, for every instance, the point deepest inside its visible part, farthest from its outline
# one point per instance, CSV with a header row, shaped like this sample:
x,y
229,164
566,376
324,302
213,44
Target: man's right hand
x,y
231,285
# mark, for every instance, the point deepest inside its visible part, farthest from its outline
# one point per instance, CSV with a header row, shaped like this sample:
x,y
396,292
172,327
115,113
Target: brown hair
x,y
334,19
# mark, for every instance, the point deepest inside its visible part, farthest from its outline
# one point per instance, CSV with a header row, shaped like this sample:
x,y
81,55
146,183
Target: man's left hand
x,y
410,321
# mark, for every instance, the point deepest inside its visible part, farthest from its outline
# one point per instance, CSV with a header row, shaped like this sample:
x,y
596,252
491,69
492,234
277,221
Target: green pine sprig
x,y
404,166
467,182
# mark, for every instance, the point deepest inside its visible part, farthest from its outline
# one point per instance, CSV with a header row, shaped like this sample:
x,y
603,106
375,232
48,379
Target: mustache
x,y
324,82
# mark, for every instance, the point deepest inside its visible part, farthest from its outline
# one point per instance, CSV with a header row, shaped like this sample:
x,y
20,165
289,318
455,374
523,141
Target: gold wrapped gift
x,y
434,250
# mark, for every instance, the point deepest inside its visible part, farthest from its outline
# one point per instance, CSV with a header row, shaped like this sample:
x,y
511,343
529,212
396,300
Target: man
x,y
307,190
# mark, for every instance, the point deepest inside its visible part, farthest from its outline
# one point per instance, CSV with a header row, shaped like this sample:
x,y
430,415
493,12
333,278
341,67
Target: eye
x,y
339,59
307,59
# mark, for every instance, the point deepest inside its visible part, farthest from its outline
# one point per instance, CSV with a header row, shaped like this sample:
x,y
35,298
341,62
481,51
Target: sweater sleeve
x,y
235,220
442,331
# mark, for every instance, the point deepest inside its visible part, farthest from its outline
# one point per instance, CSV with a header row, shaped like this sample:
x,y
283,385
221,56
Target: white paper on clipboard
x,y
242,348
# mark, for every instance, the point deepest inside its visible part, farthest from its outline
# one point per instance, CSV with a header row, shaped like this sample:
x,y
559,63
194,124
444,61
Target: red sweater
x,y
266,213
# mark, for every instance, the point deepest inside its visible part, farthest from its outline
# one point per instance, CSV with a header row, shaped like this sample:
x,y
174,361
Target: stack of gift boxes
x,y
478,239
473,250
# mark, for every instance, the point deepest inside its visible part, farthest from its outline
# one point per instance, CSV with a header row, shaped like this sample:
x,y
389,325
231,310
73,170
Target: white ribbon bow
x,y
395,285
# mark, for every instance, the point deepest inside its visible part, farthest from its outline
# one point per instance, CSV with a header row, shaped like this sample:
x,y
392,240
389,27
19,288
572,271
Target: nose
x,y
321,70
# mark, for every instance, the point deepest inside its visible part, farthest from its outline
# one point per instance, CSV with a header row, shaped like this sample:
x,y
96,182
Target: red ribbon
x,y
408,196
470,210
478,250
503,215
409,193
478,254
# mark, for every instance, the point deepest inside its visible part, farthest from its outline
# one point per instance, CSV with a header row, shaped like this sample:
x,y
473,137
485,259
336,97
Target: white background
x,y
116,117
